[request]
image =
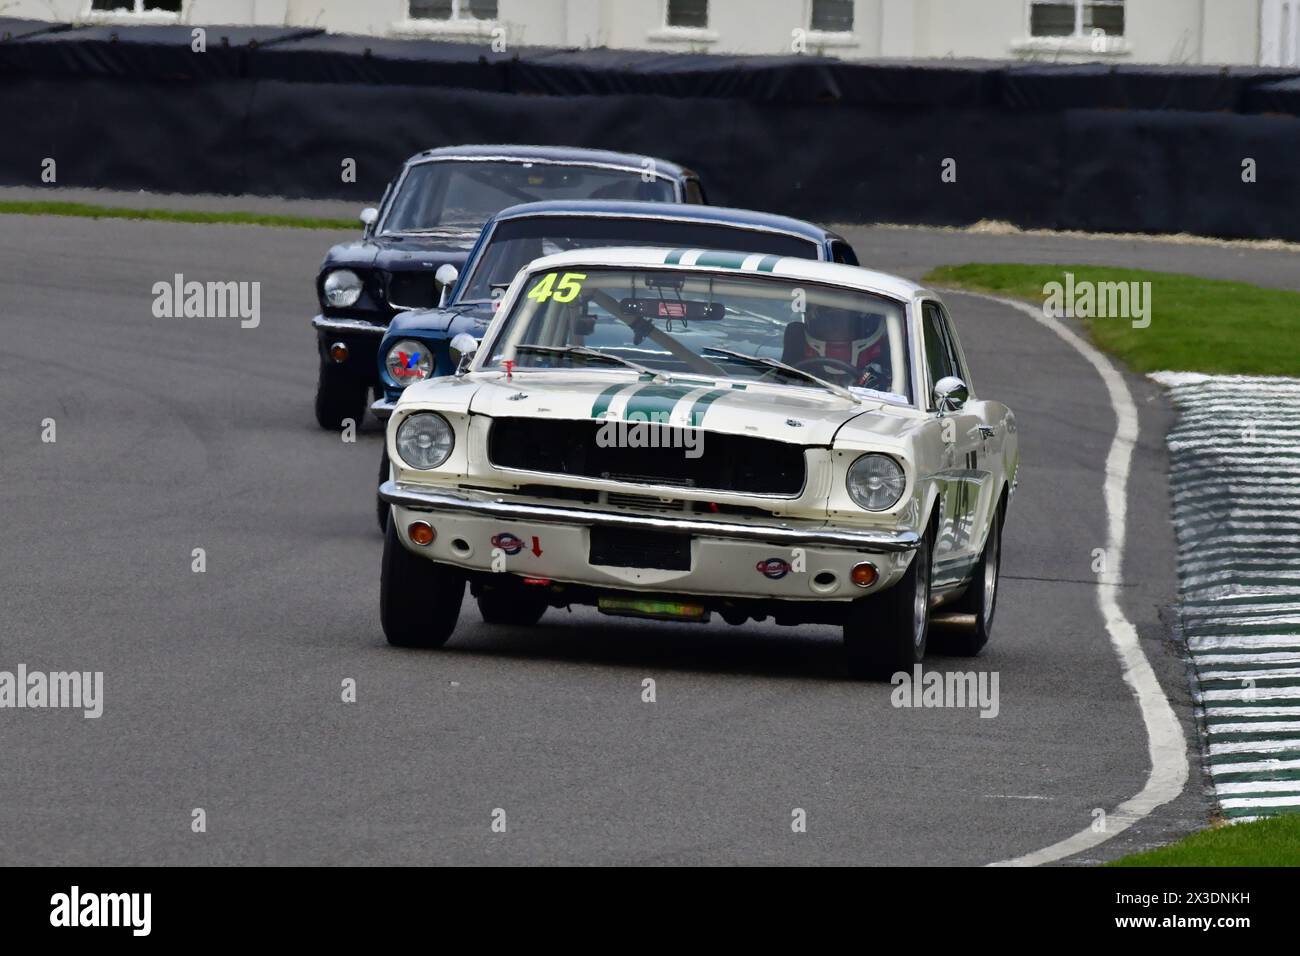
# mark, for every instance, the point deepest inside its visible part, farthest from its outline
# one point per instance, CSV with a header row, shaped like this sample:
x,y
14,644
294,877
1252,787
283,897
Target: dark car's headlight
x,y
342,288
425,440
408,361
876,482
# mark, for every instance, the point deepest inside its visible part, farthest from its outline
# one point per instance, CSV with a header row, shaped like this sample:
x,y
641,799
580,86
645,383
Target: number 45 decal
x,y
565,290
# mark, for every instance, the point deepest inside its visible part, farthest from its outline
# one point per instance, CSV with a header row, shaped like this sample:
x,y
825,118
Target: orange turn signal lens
x,y
864,575
339,352
421,533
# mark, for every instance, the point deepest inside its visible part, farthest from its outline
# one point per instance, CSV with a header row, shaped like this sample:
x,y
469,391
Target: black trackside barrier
x,y
274,111
141,52
341,59
12,28
1280,97
1127,86
1174,172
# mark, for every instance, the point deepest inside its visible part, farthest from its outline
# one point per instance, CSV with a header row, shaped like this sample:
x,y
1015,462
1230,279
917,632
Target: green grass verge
x,y
91,211
1197,325
1274,841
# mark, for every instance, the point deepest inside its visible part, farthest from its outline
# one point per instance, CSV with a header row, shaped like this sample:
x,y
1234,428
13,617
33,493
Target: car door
x,y
962,477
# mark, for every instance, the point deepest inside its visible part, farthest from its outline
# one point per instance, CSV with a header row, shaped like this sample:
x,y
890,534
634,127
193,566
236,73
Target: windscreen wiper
x,y
593,353
773,363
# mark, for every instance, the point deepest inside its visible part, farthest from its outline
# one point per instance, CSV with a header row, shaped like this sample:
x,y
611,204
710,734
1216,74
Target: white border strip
x,y
1166,745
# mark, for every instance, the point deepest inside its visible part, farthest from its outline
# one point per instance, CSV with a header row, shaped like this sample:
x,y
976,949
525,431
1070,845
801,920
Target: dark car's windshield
x,y
516,242
463,194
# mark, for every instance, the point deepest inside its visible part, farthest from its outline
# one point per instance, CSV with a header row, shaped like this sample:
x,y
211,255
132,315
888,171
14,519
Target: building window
x,y
832,16
693,14
1076,18
453,9
1279,33
135,6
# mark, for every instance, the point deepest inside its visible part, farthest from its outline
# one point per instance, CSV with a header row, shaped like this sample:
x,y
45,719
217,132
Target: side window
x,y
843,252
954,351
938,358
694,192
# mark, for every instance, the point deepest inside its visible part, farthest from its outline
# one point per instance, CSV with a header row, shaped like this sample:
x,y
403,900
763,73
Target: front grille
x,y
644,501
733,463
413,290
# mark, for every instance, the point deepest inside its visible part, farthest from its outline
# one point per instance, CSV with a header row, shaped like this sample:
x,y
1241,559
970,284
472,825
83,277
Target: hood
x,y
800,416
402,253
472,318
882,426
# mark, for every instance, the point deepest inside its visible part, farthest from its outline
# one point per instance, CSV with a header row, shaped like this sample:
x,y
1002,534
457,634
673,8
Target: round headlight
x,y
425,440
408,361
876,482
342,287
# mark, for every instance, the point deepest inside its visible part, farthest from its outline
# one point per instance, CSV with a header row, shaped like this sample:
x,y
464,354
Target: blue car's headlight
x,y
408,361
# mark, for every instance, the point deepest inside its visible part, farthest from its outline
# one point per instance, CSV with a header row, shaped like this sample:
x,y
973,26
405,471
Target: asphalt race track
x,y
222,688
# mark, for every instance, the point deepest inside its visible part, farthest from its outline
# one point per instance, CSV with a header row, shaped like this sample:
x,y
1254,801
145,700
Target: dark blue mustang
x,y
428,219
417,344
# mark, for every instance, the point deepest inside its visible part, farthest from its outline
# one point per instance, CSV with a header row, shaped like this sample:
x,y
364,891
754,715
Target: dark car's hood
x,y
400,253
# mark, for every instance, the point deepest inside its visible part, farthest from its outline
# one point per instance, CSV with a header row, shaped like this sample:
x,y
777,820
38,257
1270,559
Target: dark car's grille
x,y
413,290
735,463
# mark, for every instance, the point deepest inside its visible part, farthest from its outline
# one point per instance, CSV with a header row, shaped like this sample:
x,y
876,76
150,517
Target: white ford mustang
x,y
674,433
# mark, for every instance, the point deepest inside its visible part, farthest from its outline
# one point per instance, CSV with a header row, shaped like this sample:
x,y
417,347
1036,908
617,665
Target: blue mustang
x,y
425,224
417,344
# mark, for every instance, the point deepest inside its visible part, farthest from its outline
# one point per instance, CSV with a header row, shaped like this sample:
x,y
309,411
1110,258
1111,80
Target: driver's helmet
x,y
856,338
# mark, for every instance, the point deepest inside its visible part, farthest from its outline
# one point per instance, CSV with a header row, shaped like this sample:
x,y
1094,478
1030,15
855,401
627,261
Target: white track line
x,y
1166,745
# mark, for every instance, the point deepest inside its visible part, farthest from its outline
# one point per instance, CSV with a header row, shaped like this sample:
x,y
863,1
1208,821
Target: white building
x,y
1246,32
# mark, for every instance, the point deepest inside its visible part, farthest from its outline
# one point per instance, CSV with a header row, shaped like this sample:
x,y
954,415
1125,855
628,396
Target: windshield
x,y
516,242
463,195
678,323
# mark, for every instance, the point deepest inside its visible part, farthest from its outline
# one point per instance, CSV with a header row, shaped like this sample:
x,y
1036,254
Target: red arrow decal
x,y
537,547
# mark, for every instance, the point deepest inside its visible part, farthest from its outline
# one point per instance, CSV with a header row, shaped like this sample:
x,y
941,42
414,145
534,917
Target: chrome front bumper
x,y
325,324
423,499
382,408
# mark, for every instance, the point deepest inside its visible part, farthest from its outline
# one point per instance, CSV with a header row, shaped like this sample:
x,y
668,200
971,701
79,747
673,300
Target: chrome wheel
x,y
920,602
991,559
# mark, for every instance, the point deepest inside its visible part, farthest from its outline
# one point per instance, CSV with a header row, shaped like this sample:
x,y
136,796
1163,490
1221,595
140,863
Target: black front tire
x,y
419,601
981,597
339,396
381,506
887,632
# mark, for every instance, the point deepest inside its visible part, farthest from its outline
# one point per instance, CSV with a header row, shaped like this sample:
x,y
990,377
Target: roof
x,y
627,209
706,260
565,154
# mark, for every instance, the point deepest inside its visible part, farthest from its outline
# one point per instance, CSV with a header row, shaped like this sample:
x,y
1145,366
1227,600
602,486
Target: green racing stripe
x,y
701,405
601,405
656,402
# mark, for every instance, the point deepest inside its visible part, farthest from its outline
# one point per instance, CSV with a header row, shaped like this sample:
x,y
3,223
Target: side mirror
x,y
446,276
369,216
950,393
461,349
